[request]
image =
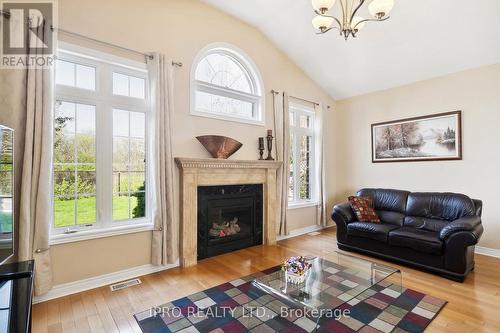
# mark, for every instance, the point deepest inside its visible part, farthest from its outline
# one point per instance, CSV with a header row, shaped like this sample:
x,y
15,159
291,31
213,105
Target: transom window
x,y
302,156
226,85
100,169
75,75
127,85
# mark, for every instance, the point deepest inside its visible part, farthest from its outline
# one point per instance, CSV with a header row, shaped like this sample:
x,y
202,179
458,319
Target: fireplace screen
x,y
229,218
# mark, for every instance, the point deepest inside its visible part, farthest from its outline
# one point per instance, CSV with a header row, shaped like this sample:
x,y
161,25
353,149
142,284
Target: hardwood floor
x,y
474,306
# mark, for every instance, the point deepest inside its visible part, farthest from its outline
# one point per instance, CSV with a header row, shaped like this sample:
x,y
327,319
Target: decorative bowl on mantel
x,y
219,146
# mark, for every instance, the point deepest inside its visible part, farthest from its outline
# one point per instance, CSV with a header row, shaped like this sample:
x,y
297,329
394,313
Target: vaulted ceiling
x,y
421,40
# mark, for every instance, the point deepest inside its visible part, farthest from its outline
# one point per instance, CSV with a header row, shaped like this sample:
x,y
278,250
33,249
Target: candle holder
x,y
269,146
261,148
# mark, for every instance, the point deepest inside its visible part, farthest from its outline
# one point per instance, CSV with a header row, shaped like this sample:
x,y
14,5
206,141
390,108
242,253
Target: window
x,y
126,85
74,164
100,169
226,85
302,156
6,178
129,146
75,75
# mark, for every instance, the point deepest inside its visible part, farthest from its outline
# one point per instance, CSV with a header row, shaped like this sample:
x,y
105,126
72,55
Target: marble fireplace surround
x,y
213,172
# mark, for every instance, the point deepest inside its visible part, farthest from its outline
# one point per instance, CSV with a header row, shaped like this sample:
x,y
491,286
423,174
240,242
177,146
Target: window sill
x,y
99,233
304,204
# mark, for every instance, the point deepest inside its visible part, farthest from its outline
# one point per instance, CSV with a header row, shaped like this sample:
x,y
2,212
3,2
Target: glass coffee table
x,y
333,280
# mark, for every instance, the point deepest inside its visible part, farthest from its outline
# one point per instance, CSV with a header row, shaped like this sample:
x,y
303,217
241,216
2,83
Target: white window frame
x,y
296,131
248,66
105,101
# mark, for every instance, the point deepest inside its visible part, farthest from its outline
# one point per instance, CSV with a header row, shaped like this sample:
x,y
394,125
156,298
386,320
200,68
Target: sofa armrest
x,y
471,224
342,215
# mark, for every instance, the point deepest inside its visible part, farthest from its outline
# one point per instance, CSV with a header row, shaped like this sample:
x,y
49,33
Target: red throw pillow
x,y
363,208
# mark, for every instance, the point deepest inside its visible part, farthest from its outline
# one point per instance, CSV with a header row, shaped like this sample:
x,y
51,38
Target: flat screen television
x,y
6,193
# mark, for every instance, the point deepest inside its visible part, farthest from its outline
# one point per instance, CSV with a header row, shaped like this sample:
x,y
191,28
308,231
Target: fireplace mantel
x,y
213,163
212,172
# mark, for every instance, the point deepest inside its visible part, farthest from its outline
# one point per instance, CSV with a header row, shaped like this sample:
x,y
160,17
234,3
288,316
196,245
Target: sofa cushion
x,y
363,208
388,200
389,217
425,223
440,206
376,231
417,239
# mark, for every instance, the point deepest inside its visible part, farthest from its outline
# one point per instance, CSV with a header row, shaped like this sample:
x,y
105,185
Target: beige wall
x,y
79,260
475,92
180,29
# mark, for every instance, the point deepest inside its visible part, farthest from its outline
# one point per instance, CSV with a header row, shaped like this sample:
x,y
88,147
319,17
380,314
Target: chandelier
x,y
350,23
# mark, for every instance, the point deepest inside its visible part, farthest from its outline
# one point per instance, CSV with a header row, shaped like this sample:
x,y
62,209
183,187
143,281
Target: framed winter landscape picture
x,y
428,138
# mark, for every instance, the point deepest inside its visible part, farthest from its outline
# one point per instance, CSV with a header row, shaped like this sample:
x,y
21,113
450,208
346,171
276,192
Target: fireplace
x,y
195,173
229,218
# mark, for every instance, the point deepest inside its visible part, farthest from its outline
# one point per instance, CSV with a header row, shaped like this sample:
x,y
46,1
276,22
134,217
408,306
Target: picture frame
x,y
434,137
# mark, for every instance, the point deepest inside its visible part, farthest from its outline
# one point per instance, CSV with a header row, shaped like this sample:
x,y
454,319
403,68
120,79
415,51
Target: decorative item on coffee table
x,y
296,269
269,145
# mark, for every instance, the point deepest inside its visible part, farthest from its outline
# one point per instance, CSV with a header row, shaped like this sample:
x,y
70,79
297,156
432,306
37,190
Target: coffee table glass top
x,y
334,279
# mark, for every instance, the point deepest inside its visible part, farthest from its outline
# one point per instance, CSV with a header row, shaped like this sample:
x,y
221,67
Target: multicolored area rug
x,y
238,306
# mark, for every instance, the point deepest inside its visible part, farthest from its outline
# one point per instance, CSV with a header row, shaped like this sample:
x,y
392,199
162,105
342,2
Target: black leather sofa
x,y
432,231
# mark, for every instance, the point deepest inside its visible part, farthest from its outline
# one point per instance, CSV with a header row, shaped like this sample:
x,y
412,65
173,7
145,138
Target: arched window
x,y
225,84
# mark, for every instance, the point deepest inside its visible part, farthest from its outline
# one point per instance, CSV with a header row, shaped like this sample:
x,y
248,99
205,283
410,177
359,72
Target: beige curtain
x,y
35,213
321,217
165,235
282,133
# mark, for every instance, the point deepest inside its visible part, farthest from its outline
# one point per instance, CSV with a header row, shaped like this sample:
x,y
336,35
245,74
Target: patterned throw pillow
x,y
363,208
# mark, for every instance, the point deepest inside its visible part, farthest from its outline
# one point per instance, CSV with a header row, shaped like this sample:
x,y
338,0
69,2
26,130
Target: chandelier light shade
x,y
322,23
380,8
348,23
322,5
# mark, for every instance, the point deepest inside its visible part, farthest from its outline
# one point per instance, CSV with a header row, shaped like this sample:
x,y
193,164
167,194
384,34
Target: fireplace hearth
x,y
229,218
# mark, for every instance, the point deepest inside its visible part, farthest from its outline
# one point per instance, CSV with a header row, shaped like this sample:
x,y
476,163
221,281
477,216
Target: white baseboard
x,y
302,231
99,281
487,251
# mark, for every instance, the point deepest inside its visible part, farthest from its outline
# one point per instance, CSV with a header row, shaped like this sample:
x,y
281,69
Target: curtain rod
x,y
305,100
300,99
147,55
